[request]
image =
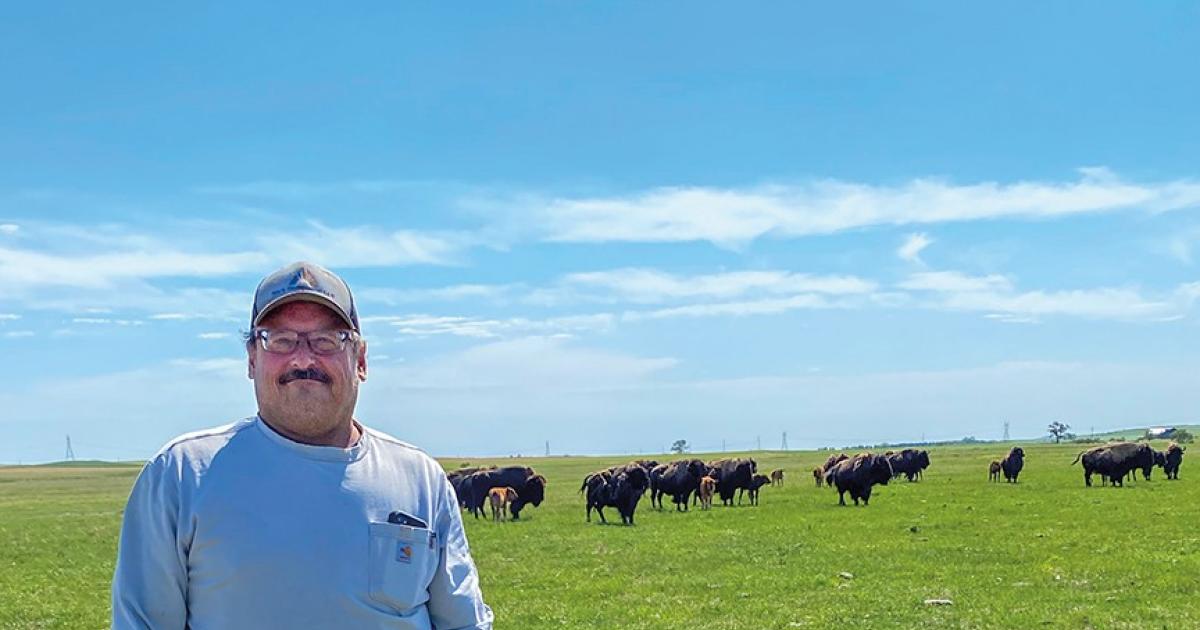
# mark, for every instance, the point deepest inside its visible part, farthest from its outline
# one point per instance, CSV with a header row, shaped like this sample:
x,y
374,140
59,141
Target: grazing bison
x,y
500,499
530,487
777,477
908,462
708,486
832,461
757,482
621,490
1172,459
857,475
818,475
679,479
459,480
1013,463
994,470
1114,461
732,475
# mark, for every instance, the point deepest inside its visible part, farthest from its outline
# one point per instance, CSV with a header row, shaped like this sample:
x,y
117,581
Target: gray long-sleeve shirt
x,y
240,527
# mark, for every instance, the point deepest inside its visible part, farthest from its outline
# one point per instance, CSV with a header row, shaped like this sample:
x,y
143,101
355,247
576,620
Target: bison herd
x,y
694,481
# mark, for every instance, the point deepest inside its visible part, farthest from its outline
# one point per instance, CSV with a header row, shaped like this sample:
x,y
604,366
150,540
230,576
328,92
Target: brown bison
x,y
1114,461
1013,463
1172,459
994,470
708,486
500,498
777,477
819,476
857,475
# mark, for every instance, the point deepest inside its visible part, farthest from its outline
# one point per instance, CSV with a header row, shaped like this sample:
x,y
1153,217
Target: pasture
x,y
1046,552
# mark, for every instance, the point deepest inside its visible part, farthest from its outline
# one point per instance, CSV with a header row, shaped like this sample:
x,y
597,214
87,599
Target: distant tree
x,y
1183,436
1058,431
680,447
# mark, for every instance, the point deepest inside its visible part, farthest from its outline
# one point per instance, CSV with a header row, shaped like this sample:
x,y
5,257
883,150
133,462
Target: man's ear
x,y
361,361
250,362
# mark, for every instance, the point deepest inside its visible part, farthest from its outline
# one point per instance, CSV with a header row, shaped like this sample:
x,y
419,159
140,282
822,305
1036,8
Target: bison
x,y
708,486
1013,463
857,475
1172,459
1114,461
757,482
908,462
679,479
530,487
621,490
818,475
994,470
500,499
732,475
777,477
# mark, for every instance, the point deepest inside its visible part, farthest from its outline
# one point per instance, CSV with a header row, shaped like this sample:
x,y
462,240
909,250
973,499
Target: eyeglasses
x,y
322,342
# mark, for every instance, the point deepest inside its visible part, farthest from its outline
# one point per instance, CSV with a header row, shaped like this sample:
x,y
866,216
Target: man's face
x,y
307,396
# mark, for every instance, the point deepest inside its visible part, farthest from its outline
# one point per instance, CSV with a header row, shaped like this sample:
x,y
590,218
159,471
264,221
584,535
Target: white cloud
x,y
9,228
771,306
14,334
651,285
365,246
731,217
451,293
1102,303
107,321
954,281
214,335
420,325
911,249
24,268
9,317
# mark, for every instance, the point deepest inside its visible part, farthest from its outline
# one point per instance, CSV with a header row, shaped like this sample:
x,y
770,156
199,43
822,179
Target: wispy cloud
x,y
913,244
214,335
732,217
735,309
14,334
9,228
419,325
650,285
955,281
25,268
106,321
366,246
9,316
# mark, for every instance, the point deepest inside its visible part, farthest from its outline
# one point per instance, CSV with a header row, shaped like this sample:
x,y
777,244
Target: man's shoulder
x,y
205,442
399,448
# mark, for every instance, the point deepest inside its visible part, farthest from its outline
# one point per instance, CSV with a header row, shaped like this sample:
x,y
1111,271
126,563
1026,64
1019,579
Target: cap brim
x,y
303,296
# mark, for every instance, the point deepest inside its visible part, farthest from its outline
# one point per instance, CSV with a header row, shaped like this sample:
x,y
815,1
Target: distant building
x,y
1160,433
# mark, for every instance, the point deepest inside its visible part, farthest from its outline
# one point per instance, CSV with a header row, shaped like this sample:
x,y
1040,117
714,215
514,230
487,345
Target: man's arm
x,y
455,601
149,588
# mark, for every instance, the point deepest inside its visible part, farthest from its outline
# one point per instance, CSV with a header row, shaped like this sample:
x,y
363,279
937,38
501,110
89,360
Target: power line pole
x,y
759,438
70,452
1006,430
783,447
547,448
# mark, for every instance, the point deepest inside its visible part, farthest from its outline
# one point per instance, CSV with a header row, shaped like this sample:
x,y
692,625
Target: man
x,y
300,516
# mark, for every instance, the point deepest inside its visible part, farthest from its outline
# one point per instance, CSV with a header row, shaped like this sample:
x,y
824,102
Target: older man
x,y
300,516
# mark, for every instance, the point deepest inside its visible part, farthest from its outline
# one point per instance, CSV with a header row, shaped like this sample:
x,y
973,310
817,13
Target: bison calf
x,y
994,470
500,498
757,482
777,477
708,486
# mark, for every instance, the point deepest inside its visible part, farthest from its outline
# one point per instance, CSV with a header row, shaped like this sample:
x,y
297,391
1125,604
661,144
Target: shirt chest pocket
x,y
400,564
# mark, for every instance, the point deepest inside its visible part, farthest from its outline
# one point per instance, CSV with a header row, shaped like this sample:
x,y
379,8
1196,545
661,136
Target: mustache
x,y
312,374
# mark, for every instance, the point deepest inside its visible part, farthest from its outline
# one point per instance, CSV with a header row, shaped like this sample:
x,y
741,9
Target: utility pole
x,y
759,438
547,448
783,447
1006,430
70,452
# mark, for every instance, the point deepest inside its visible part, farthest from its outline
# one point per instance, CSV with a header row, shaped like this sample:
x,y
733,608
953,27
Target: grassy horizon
x,y
1046,552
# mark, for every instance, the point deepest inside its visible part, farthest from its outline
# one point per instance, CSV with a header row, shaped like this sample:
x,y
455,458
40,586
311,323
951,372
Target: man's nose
x,y
303,356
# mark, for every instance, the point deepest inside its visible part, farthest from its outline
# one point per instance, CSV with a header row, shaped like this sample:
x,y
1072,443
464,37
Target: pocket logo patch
x,y
404,553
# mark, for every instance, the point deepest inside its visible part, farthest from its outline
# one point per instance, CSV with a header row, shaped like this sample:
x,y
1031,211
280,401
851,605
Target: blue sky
x,y
607,226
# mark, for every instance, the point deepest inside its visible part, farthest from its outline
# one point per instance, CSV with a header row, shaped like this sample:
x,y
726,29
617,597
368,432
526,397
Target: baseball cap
x,y
304,281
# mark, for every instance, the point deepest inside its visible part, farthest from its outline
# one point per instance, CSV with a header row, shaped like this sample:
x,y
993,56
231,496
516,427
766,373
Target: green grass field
x,y
1047,552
